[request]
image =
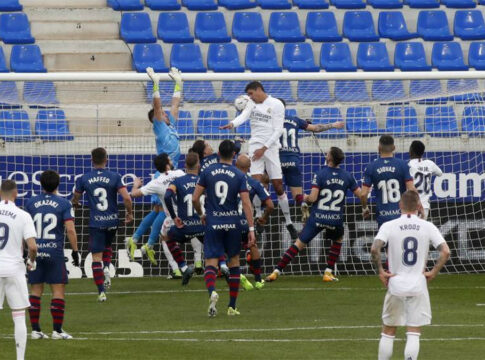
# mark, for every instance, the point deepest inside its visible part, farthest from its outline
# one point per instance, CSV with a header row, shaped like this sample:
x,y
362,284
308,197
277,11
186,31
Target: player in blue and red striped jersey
x,y
329,187
223,183
52,216
102,188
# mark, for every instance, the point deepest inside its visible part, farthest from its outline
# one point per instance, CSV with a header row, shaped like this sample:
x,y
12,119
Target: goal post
x,y
54,120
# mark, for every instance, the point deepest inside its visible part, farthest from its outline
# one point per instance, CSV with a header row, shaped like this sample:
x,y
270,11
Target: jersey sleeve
x,y
79,185
150,188
302,124
436,170
261,192
244,115
368,176
435,236
119,182
159,127
352,183
243,186
383,233
412,170
316,180
67,213
28,228
202,179
406,173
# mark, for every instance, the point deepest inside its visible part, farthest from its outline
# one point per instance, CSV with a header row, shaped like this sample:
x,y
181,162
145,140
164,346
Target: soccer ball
x,y
241,102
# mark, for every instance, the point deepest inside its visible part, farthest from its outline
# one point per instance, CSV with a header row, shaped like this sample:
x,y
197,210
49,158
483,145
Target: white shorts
x,y
270,161
167,224
15,289
412,311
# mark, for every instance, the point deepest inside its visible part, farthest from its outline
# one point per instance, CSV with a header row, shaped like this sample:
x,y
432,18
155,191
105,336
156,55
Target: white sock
x,y
328,270
173,264
385,347
183,268
411,350
257,206
197,246
285,207
18,317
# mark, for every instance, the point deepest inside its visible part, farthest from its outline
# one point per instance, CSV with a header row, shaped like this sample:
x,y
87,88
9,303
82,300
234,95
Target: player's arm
x,y
169,198
277,122
157,102
376,259
128,204
76,197
436,170
317,128
136,190
78,192
199,190
29,235
241,118
313,196
444,257
248,212
176,76
72,237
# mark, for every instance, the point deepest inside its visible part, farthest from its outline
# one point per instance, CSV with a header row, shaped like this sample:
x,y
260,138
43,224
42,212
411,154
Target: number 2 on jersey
x,y
102,196
327,195
43,232
4,230
423,182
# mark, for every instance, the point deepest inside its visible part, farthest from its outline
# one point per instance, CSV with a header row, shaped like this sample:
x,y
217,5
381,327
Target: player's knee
x,y
300,244
389,330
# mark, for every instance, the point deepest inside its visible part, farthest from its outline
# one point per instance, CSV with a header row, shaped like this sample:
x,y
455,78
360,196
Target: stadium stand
x,y
314,91
51,125
187,57
423,4
248,27
325,116
237,4
373,57
199,91
148,55
460,4
388,90
311,4
26,58
210,121
275,4
10,5
322,26
165,5
433,25
15,126
359,26
9,95
298,57
262,58
402,120
392,25
136,28
285,27
15,29
3,64
448,56
40,93
211,27
440,121
200,4
476,55
173,27
185,126
349,4
351,91
126,5
469,25
361,120
385,4
410,56
336,57
223,58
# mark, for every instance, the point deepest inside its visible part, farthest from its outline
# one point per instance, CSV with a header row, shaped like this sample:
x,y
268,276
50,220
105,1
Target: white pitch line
x,y
480,304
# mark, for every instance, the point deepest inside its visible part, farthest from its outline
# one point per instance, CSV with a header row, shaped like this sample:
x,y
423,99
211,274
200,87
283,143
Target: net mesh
x,y
56,125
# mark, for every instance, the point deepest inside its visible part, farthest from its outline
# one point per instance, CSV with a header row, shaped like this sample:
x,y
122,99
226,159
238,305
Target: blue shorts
x,y
186,233
291,169
312,229
50,270
155,200
100,238
218,242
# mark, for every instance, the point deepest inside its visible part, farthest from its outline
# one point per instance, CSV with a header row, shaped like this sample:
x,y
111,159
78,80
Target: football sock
x,y
234,281
57,312
107,254
34,312
171,261
197,246
177,254
411,350
285,207
257,206
287,257
156,228
20,329
333,254
210,278
98,275
145,224
255,267
385,347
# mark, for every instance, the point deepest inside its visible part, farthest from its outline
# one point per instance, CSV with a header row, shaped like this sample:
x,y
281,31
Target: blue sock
x,y
156,228
145,224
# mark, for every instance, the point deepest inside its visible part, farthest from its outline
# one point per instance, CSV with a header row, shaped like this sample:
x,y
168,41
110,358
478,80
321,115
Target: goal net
x,y
55,124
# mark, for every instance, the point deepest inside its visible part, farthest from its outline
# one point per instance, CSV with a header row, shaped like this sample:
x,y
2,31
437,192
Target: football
x,y
240,102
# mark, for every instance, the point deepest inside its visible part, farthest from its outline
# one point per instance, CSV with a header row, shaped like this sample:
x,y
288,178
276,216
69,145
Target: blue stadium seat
x,y
136,28
311,4
322,26
433,26
348,4
223,58
209,122
40,93
10,5
126,5
440,121
148,55
3,64
473,121
361,120
248,27
373,57
469,25
238,4
351,91
402,121
15,126
187,57
9,95
173,27
423,4
385,4
336,57
314,91
428,89
262,58
410,56
166,91
285,27
459,4
185,126
388,90
476,55
243,130
26,58
232,89
466,90
51,125
447,56
165,5
298,57
211,27
392,25
275,4
290,112
279,89
199,92
200,4
359,26
15,29
328,115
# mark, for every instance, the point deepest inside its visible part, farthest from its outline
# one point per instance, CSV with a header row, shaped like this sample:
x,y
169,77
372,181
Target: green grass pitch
x,y
293,318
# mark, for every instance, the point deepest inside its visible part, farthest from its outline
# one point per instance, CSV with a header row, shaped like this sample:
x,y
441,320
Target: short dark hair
x,y
227,149
254,85
417,149
191,160
161,161
282,101
410,200
387,143
49,180
337,155
99,156
198,148
8,186
150,115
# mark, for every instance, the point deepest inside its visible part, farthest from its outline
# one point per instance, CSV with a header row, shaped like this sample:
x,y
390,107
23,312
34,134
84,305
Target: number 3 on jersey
x,y
102,196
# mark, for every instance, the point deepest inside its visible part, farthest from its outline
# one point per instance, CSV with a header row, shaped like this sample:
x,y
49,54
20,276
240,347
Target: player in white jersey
x,y
407,299
16,226
422,171
267,117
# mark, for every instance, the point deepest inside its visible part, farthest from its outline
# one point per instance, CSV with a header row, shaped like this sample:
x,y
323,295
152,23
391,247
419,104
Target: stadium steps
x,y
101,93
75,30
89,4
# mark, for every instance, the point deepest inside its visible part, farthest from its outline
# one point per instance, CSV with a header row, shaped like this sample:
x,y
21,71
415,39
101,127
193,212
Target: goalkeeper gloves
x,y
75,258
156,79
176,75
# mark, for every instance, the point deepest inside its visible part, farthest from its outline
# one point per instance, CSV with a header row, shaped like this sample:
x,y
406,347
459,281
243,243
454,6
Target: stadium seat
x,y
476,55
199,91
392,26
298,57
385,4
185,126
322,26
51,125
402,121
433,26
373,57
187,57
351,91
126,5
238,4
336,57
473,121
447,56
232,89
165,5
15,126
423,4
3,64
173,27
388,90
211,27
459,4
40,93
223,58
166,91
148,55
410,56
469,25
209,122
275,4
285,27
243,130
361,120
10,5
136,28
348,4
262,58
311,4
359,26
440,121
248,27
279,89
200,4
26,58
15,29
430,90
328,115
467,90
9,95
314,91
